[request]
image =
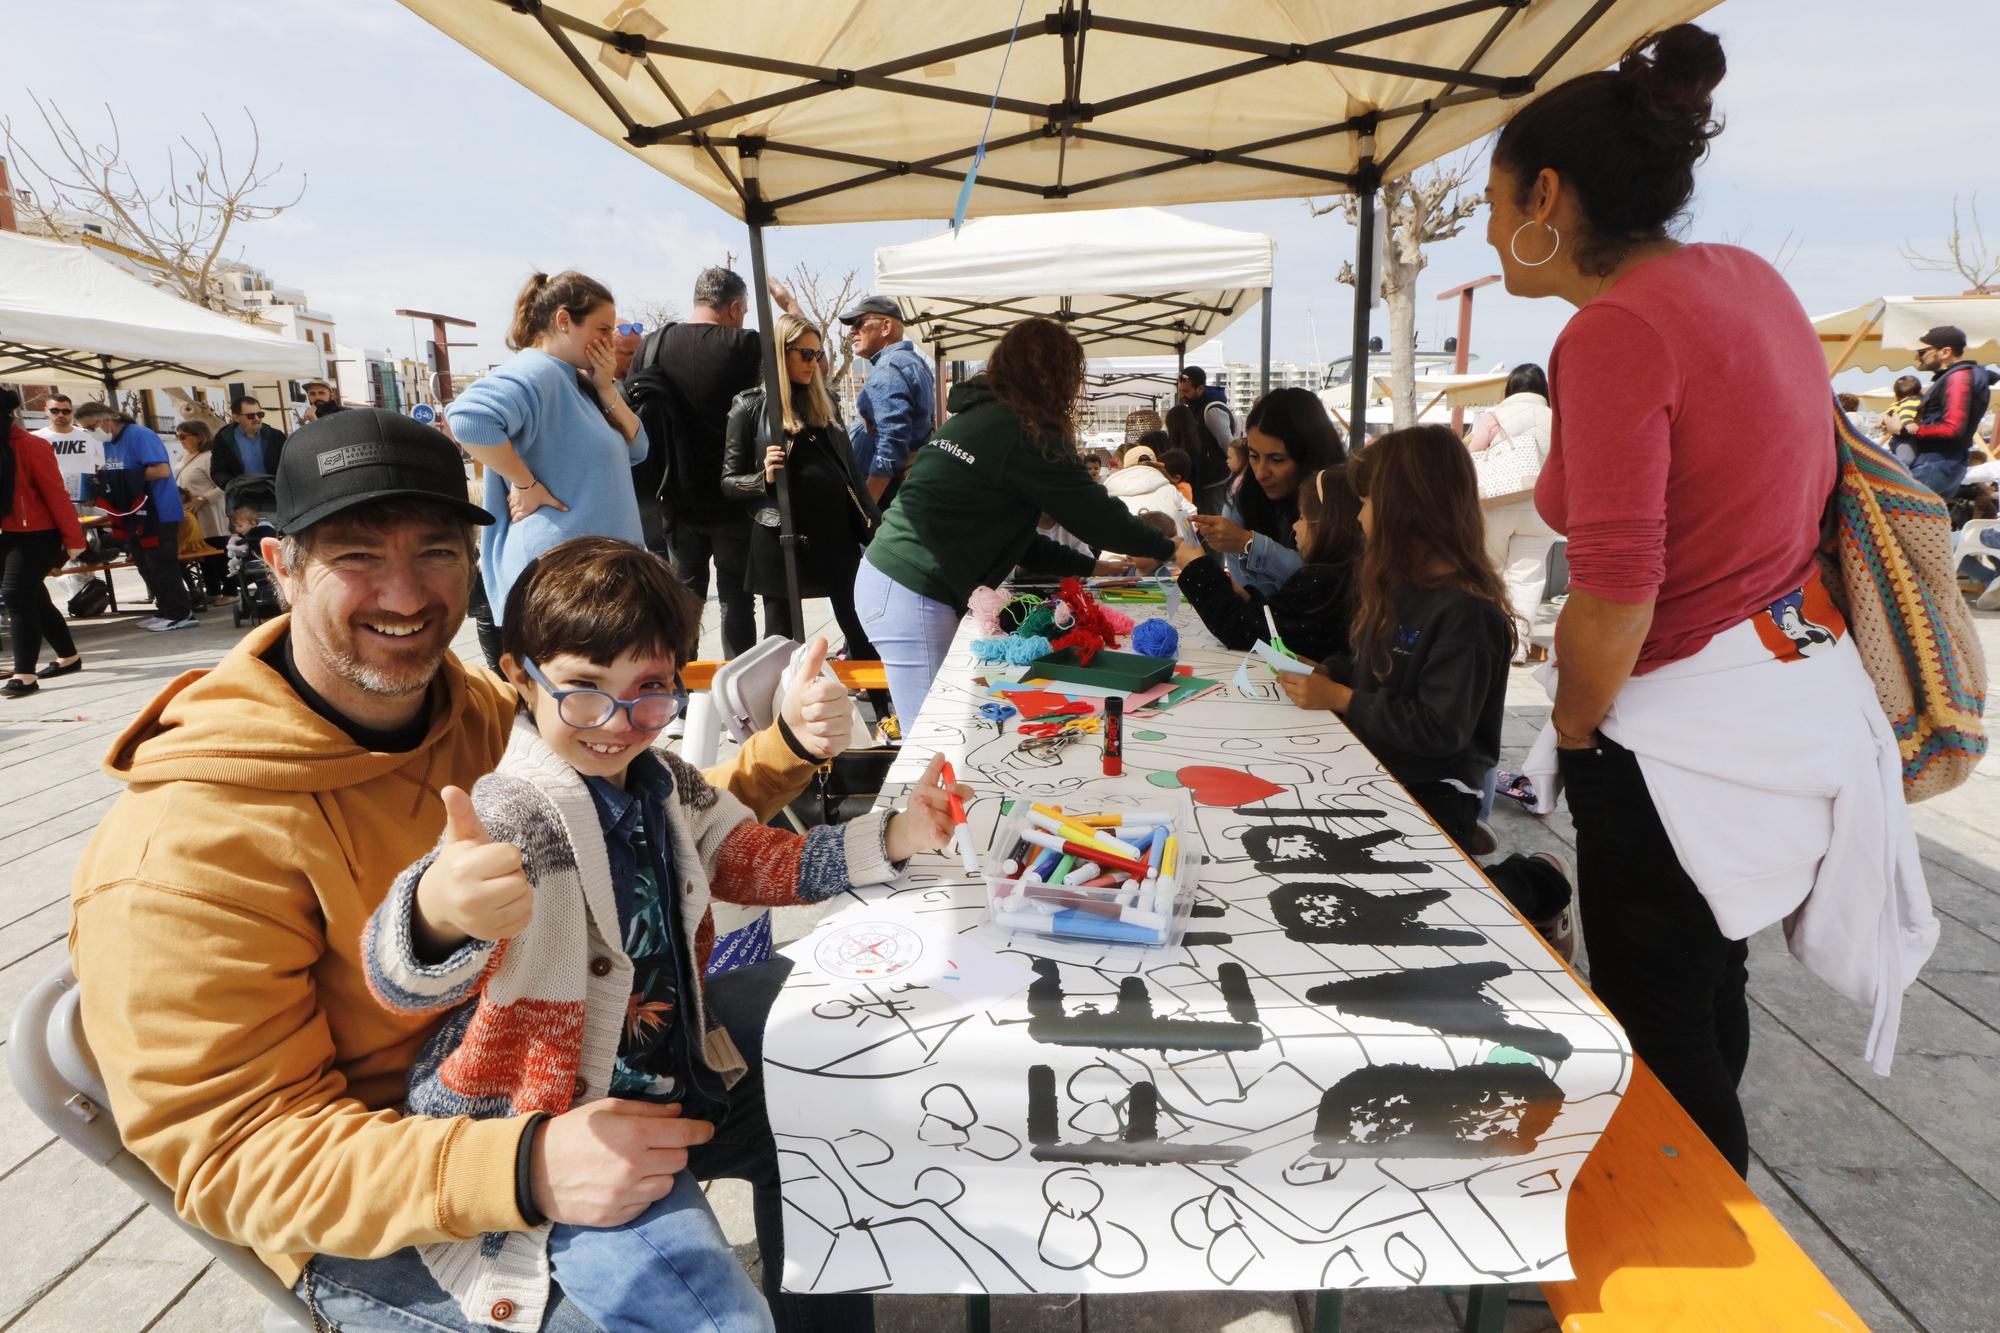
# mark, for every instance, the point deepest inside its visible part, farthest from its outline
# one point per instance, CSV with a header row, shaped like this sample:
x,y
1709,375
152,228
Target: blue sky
x,y
436,183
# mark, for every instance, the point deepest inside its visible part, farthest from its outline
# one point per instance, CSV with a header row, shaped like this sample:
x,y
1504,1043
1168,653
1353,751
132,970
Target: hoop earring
x,y
1514,244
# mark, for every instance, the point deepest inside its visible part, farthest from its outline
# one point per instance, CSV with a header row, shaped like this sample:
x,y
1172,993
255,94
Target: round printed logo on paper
x,y
868,951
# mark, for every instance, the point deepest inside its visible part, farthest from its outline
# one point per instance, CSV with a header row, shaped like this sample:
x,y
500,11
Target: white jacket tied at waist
x,y
1780,787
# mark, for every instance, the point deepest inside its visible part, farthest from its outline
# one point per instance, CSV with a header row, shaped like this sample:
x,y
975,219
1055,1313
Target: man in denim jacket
x,y
897,406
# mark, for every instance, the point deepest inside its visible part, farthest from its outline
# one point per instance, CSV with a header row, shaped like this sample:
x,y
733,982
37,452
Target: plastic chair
x,y
1967,543
57,1077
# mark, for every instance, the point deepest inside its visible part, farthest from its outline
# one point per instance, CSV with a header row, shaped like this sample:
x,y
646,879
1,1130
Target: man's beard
x,y
364,676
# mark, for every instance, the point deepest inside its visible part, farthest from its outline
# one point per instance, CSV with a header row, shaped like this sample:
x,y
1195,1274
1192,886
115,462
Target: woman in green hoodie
x,y
966,513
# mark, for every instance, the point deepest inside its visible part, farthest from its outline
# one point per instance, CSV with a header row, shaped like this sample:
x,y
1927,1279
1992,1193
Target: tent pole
x,y
937,387
1264,380
110,383
1366,178
774,405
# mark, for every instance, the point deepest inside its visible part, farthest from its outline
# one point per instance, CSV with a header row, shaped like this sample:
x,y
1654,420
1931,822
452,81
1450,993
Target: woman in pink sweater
x,y
1691,457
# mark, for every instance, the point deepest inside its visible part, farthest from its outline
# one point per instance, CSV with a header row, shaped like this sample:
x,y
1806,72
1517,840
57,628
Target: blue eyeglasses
x,y
629,329
587,709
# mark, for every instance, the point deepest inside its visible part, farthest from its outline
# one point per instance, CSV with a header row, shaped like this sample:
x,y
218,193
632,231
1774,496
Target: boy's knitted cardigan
x,y
547,1008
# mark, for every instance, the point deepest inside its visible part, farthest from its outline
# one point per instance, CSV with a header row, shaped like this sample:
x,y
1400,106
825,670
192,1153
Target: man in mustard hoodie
x,y
218,911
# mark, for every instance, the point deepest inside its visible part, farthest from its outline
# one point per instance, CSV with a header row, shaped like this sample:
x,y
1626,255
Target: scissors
x,y
997,714
1066,729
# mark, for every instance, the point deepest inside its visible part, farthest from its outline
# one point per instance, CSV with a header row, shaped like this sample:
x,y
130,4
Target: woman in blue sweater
x,y
556,438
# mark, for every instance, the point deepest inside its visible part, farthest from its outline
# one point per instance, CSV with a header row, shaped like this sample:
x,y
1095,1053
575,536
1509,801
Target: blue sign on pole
x,y
424,413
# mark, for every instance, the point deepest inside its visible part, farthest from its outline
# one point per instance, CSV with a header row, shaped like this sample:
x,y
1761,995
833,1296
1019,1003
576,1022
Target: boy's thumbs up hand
x,y
475,889
816,708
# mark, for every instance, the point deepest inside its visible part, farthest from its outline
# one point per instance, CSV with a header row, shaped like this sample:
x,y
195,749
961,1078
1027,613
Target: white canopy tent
x,y
1882,335
1125,281
804,111
68,317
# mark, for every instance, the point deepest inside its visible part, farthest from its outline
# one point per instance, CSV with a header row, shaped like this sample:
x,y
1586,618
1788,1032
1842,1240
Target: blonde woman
x,y
831,511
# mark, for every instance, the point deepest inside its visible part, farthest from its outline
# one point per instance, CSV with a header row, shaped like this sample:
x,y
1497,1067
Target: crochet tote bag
x,y
1887,563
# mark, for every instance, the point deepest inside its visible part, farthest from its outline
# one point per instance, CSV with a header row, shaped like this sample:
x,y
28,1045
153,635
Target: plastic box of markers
x,y
1128,883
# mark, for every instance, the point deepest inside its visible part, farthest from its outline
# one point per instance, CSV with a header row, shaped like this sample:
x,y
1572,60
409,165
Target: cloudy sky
x,y
436,183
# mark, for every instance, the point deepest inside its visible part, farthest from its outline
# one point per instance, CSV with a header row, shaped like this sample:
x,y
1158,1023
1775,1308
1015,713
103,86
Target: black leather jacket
x,y
743,462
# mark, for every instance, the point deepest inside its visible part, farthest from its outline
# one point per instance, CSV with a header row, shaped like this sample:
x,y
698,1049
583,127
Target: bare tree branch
x,y
181,227
653,314
1969,256
822,297
1414,211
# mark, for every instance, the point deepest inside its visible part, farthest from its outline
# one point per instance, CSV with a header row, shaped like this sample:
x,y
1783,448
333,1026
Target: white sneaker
x,y
188,623
154,623
1990,599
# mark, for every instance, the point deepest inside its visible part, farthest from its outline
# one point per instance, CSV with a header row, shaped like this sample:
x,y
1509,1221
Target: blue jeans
x,y
397,1292
667,1267
1943,473
909,630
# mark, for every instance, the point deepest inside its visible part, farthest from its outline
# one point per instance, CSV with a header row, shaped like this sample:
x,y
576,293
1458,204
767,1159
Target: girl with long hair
x,y
831,509
1313,607
556,437
1425,682
1289,437
968,508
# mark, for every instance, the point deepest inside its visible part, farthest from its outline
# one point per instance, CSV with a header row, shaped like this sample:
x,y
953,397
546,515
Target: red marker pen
x,y
1114,736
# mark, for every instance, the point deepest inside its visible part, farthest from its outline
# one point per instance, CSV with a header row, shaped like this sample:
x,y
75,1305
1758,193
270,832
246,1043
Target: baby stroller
x,y
256,588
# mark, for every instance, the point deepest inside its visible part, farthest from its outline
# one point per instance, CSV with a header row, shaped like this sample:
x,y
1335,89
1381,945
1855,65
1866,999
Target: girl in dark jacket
x,y
1313,607
832,514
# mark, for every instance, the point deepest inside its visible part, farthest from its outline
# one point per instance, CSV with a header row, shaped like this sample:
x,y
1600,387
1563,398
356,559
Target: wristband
x,y
1574,742
524,1171
794,744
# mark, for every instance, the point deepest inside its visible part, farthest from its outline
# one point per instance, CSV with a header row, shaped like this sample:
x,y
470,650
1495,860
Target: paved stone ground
x,y
1893,1186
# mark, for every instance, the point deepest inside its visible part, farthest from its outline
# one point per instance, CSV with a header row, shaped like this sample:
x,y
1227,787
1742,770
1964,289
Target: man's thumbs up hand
x,y
475,889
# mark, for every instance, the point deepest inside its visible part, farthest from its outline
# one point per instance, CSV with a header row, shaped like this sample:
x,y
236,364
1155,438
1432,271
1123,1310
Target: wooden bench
x,y
1665,1235
854,675
106,568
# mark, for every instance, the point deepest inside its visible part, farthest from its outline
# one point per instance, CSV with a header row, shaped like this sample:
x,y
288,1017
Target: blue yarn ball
x,y
1156,638
1021,651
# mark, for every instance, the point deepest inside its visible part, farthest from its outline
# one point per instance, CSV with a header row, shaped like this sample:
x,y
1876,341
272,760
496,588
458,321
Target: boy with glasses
x,y
246,447
566,910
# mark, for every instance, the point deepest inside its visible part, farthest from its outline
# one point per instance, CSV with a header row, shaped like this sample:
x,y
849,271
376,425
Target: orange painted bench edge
x,y
1665,1235
854,675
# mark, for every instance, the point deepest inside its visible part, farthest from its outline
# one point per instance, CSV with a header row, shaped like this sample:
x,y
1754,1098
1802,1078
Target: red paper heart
x,y
1036,704
1225,786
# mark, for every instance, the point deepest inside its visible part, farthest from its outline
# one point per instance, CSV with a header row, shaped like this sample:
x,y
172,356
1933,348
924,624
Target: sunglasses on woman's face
x,y
809,354
631,330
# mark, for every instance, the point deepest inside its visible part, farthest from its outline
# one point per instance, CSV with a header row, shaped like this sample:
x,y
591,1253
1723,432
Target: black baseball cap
x,y
1944,335
871,305
366,454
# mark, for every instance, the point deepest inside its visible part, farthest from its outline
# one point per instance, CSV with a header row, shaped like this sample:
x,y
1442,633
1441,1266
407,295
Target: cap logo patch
x,y
354,455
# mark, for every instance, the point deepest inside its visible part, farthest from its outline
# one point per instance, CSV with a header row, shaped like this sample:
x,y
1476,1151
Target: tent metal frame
x,y
22,362
1067,27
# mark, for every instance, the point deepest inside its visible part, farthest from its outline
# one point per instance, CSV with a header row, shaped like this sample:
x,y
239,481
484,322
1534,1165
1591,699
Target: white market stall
x,y
68,317
811,111
1882,335
1125,281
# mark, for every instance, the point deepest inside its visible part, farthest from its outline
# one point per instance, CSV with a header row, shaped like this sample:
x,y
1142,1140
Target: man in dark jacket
x,y
1947,424
681,382
246,447
321,402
